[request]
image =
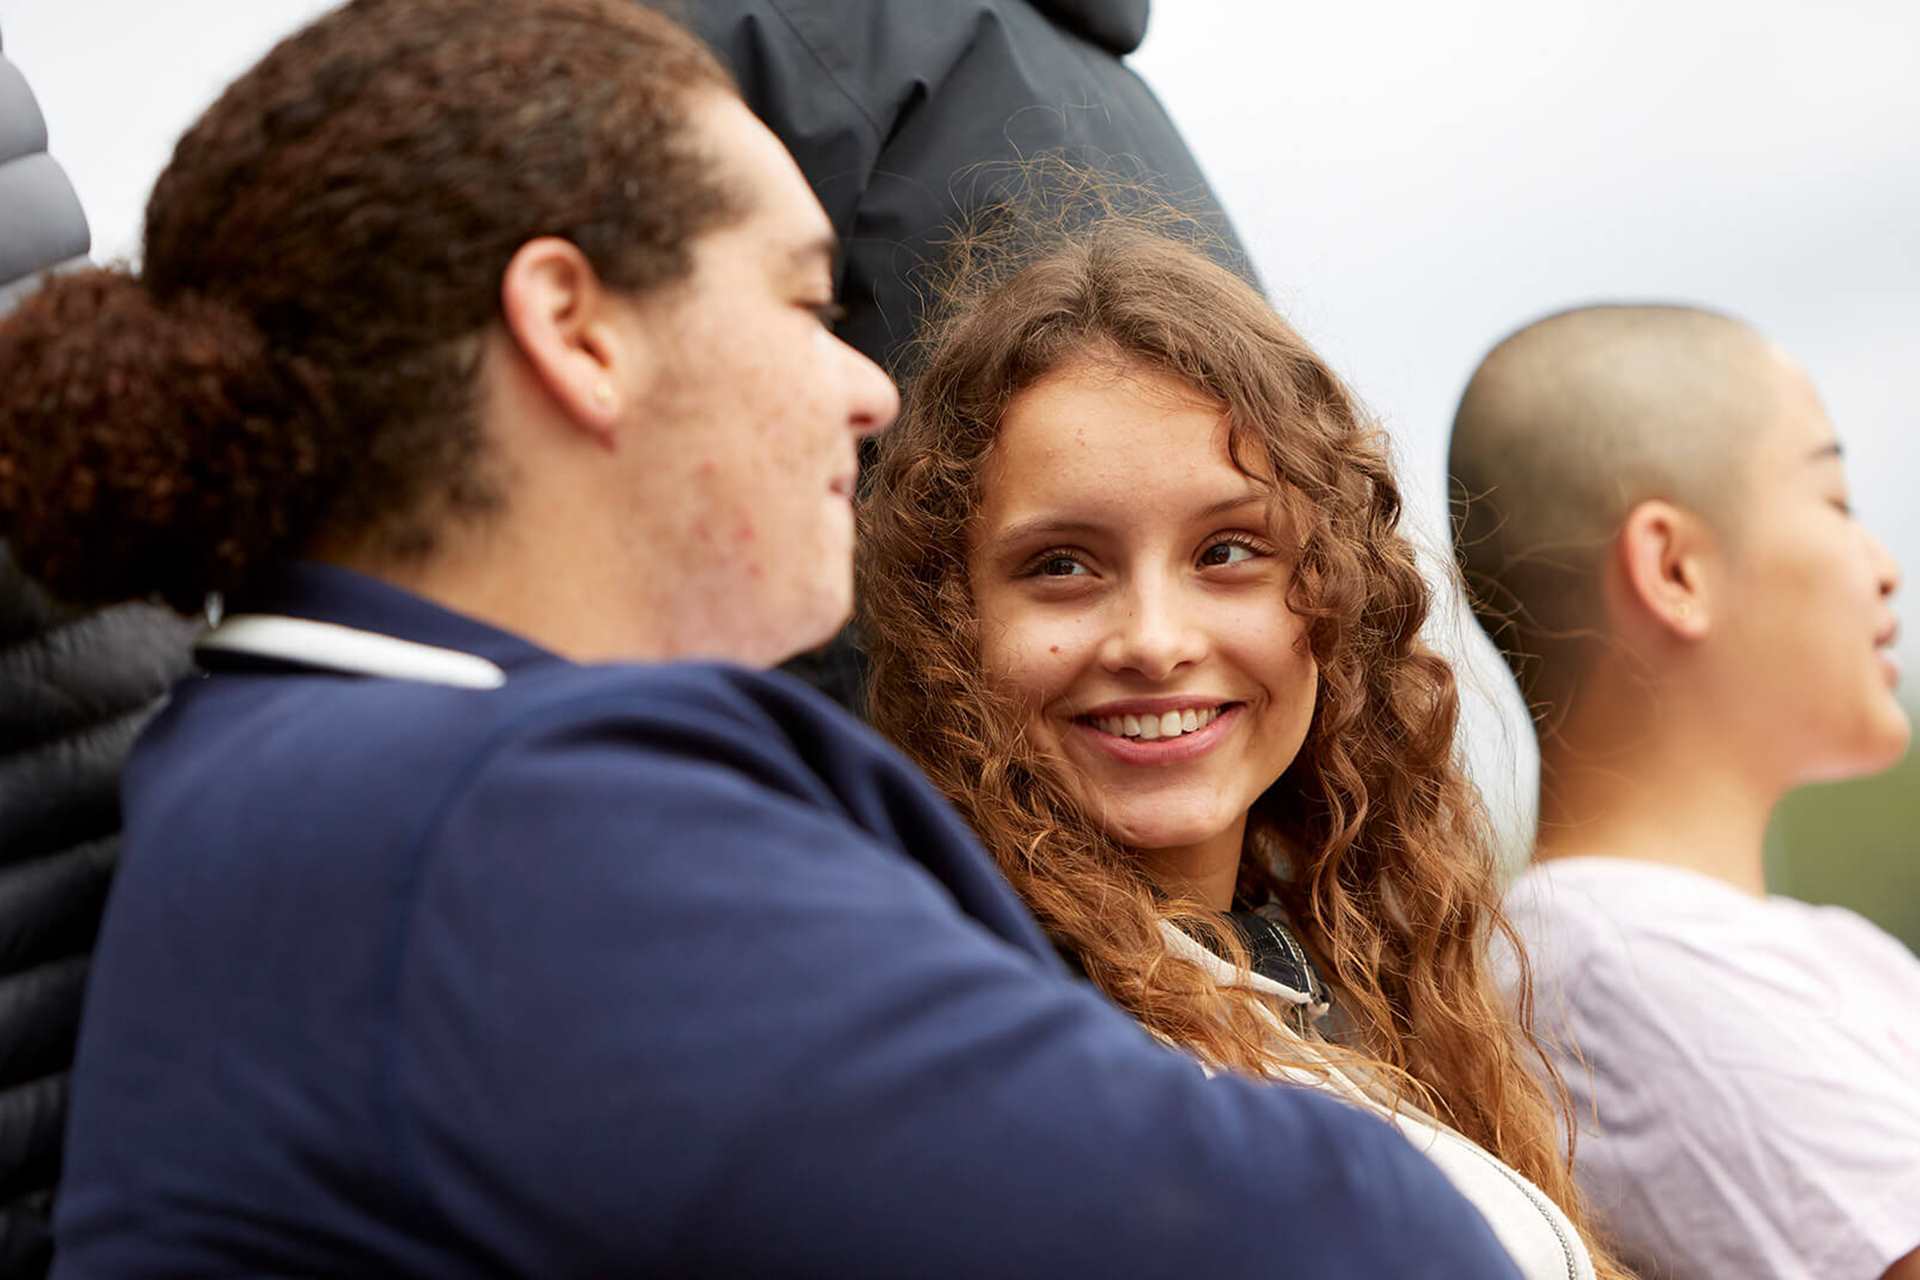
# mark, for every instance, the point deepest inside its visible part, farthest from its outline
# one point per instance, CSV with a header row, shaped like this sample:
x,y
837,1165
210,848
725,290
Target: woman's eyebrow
x,y
1022,530
1055,526
1229,506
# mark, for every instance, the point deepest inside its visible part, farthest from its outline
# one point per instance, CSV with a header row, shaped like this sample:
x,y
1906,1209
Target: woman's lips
x,y
1187,746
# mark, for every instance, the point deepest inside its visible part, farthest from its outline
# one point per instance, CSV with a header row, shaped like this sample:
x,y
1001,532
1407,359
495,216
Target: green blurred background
x,y
1856,844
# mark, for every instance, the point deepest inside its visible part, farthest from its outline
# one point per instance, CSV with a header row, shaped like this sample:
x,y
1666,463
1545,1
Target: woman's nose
x,y
1886,569
1154,634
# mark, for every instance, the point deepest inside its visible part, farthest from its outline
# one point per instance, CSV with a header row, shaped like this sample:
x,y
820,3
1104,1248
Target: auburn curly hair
x,y
1373,841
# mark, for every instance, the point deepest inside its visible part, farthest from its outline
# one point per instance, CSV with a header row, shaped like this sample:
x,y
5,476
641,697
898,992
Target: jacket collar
x,y
1115,25
323,617
1227,976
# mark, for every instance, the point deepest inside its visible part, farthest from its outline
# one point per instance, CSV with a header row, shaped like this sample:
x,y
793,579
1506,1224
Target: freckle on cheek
x,y
1053,648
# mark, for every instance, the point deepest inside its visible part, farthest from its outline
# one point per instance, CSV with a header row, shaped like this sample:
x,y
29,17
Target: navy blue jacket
x,y
643,969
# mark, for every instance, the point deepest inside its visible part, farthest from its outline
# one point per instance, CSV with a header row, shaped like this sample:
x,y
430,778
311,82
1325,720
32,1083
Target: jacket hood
x,y
1116,25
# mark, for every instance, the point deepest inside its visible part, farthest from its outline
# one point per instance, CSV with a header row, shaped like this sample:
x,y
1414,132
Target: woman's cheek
x,y
1036,658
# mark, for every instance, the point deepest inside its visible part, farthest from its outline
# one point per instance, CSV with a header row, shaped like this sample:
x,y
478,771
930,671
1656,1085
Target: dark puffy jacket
x,y
909,115
74,689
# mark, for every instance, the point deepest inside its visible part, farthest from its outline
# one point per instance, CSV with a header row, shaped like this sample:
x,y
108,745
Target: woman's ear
x,y
1664,553
566,324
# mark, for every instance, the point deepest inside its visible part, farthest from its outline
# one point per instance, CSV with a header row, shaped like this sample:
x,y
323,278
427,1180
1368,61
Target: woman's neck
x,y
1685,809
1205,872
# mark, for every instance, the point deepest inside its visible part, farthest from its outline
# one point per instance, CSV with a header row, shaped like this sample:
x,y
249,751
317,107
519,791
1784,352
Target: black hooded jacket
x,y
74,689
907,116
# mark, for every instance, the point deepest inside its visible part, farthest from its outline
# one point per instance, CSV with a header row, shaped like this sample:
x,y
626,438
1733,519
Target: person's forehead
x,y
1798,431
1103,437
782,216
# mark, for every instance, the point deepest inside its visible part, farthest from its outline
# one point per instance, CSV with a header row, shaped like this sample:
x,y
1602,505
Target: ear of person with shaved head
x,y
1652,518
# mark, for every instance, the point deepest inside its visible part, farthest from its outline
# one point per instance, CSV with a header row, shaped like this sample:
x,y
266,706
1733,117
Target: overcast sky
x,y
1413,181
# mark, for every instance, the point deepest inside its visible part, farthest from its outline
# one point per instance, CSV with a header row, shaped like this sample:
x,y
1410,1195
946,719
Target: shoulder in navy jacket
x,y
617,970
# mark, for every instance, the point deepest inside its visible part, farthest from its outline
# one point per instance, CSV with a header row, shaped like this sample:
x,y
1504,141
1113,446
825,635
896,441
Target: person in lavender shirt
x,y
1652,517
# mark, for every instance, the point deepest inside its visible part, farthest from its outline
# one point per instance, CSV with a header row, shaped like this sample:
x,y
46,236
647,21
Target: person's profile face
x,y
1131,591
766,405
1809,601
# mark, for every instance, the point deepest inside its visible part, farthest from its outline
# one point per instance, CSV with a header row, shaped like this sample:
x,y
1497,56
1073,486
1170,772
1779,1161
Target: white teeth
x,y
1170,724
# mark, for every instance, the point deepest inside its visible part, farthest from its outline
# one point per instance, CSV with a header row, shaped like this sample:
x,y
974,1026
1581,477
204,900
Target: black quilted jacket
x,y
74,689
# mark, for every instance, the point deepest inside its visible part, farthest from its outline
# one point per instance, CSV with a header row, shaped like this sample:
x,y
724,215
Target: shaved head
x,y
1565,428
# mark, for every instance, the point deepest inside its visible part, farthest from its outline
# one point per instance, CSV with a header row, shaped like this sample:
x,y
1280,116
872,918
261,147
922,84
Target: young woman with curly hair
x,y
1137,601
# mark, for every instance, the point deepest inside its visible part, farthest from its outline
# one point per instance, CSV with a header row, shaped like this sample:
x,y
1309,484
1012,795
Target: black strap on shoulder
x,y
1276,954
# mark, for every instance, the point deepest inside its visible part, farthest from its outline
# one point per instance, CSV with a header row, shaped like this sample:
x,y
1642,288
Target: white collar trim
x,y
338,648
1223,973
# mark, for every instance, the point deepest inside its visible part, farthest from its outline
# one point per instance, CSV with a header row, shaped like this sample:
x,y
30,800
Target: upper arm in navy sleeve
x,y
672,1010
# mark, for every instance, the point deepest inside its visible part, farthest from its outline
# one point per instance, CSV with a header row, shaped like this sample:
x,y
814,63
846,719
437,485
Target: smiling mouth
x,y
1152,727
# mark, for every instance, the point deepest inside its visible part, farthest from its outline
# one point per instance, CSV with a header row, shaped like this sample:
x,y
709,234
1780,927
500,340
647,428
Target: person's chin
x,y
1148,830
1897,733
1878,744
812,625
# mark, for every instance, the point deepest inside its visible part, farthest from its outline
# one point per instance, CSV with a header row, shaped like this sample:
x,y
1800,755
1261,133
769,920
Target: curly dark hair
x,y
1374,840
296,359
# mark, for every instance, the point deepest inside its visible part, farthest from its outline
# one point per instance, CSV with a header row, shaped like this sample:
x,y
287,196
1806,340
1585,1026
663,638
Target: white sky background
x,y
1413,181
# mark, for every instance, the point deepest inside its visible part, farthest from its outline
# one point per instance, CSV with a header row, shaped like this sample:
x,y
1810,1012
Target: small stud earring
x,y
603,395
1683,610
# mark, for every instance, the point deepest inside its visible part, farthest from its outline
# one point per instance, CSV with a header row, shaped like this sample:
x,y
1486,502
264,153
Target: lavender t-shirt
x,y
1745,1071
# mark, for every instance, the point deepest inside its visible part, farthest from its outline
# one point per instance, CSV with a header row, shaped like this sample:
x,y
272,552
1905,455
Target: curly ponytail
x,y
150,449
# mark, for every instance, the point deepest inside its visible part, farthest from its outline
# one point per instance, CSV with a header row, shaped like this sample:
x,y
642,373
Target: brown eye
x,y
1060,567
1225,553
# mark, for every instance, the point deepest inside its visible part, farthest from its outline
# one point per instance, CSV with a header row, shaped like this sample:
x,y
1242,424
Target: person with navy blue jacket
x,y
484,910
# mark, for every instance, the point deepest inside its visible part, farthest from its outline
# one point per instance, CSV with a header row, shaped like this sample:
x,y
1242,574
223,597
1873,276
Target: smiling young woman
x,y
1136,601
1130,585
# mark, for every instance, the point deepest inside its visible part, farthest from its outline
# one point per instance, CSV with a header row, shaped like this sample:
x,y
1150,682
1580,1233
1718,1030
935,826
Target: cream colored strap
x,y
330,646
